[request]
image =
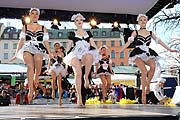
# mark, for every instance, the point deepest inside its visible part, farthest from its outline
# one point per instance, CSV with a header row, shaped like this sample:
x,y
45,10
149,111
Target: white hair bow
x,y
36,9
140,15
77,15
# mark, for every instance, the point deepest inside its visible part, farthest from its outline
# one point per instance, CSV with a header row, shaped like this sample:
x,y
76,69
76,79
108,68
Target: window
x,y
112,43
60,34
116,34
120,43
95,33
51,44
129,52
15,36
121,54
103,33
13,54
14,45
113,64
96,42
5,45
5,55
112,34
50,34
112,54
103,42
6,35
122,64
64,44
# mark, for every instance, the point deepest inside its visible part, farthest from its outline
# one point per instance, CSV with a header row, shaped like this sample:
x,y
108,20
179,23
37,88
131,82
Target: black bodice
x,y
34,36
56,58
104,61
141,40
73,37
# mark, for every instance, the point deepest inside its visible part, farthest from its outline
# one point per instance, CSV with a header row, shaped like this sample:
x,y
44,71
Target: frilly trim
x,y
58,70
36,9
22,35
143,56
106,73
140,15
77,15
45,37
67,59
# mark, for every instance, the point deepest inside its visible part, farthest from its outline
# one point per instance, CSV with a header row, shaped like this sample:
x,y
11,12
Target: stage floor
x,y
103,111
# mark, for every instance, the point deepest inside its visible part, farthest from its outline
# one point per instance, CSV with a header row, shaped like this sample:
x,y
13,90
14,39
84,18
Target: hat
x,y
161,80
36,9
104,46
77,15
57,42
141,15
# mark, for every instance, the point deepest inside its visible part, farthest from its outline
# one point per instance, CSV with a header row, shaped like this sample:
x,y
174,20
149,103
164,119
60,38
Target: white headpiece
x,y
35,9
57,42
104,46
77,15
161,80
140,15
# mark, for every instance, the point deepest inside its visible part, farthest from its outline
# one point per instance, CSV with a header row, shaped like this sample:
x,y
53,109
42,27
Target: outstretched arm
x,y
130,40
20,43
93,43
46,42
159,41
69,45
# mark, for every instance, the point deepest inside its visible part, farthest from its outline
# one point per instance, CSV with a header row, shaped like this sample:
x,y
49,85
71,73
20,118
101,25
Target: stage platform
x,y
90,112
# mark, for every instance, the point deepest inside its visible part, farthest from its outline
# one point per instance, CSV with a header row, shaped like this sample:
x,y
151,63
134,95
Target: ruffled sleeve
x,y
22,35
45,37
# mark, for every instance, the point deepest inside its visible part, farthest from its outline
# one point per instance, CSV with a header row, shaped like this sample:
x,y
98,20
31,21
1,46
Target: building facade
x,y
104,36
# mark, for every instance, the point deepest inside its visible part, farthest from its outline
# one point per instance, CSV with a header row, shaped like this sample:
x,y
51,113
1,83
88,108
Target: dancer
x,y
84,53
157,88
143,55
57,70
104,70
33,46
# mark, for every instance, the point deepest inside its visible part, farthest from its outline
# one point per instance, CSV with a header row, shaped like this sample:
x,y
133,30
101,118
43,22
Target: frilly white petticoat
x,y
58,69
31,46
81,48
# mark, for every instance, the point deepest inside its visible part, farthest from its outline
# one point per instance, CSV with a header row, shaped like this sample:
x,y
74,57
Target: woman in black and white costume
x,y
57,70
82,52
33,46
104,70
157,88
143,55
105,66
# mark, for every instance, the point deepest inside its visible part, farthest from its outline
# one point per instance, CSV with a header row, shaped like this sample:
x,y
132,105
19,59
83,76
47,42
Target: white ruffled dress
x,y
33,43
81,47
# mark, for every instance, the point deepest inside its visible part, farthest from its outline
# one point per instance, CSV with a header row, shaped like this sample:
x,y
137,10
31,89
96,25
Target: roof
x,y
125,70
123,10
12,68
117,77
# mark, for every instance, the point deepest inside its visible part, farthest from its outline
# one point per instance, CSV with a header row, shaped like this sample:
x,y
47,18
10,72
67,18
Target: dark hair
x,y
103,47
56,43
62,48
104,54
